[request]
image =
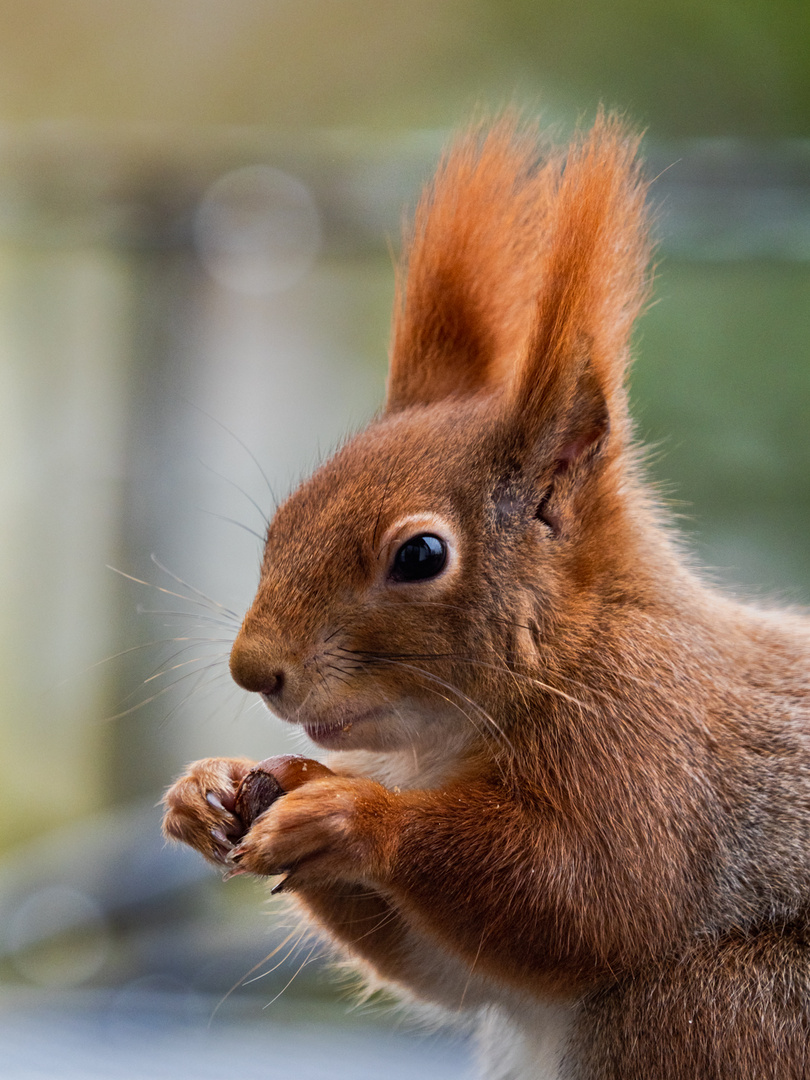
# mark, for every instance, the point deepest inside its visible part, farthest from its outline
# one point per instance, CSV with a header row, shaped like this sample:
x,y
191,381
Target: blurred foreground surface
x,y
135,1034
122,957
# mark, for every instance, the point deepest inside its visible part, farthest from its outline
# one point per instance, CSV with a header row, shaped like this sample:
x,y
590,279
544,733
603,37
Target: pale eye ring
x,y
420,558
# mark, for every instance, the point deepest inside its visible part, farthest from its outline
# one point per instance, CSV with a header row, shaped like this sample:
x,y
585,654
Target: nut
x,y
271,779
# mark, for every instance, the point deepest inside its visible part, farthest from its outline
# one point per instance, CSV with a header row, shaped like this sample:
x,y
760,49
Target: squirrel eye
x,y
419,558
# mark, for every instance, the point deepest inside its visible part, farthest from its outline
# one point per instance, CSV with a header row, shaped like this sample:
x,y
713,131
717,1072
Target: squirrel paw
x,y
201,807
329,829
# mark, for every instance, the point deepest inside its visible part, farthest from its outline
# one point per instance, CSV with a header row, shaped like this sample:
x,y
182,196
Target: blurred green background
x,y
198,200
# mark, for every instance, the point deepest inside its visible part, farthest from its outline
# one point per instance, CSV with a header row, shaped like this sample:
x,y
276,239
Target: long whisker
x,y
191,588
588,687
515,673
158,694
471,718
403,656
161,670
295,975
244,446
175,667
451,689
191,643
216,620
338,673
245,979
232,521
202,683
241,490
471,970
179,596
532,679
382,920
125,652
465,608
301,934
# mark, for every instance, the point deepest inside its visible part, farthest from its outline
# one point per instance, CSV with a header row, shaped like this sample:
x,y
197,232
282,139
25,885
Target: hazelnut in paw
x,y
334,828
201,807
271,779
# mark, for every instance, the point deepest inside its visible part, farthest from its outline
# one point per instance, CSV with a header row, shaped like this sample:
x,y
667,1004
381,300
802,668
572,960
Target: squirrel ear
x,y
515,258
442,345
581,427
464,308
582,423
569,384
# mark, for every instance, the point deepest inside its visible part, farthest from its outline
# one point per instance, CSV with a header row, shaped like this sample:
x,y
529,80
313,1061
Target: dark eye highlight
x,y
419,558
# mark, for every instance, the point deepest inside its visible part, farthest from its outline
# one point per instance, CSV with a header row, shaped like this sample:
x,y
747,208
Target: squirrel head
x,y
447,544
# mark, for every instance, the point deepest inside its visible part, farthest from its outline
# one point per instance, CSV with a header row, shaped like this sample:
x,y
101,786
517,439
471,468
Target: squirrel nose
x,y
273,684
254,668
278,684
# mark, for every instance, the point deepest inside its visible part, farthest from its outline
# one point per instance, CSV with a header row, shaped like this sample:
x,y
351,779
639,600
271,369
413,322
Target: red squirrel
x,y
568,784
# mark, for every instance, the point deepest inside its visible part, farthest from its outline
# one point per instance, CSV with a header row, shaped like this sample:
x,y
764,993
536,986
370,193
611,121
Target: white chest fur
x,y
525,1042
516,1039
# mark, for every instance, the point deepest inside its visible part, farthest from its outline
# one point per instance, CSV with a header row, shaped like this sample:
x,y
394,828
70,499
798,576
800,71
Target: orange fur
x,y
572,782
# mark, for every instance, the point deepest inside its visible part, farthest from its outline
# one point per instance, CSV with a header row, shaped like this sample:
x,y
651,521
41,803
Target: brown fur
x,y
567,770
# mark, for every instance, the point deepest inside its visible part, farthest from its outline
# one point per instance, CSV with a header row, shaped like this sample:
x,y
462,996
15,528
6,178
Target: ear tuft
x,y
465,305
594,282
516,258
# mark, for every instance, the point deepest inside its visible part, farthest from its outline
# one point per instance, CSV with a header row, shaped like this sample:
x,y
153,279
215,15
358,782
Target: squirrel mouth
x,y
327,733
332,733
